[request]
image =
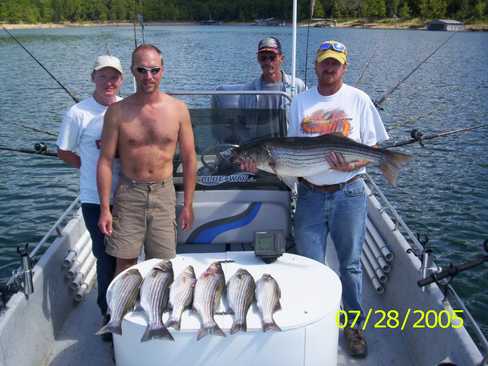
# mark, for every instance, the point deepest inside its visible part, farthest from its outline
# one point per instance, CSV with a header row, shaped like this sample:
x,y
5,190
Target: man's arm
x,y
187,151
110,136
69,158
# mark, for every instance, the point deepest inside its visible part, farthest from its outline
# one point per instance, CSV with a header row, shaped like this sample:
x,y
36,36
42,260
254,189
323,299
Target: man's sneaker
x,y
356,342
106,337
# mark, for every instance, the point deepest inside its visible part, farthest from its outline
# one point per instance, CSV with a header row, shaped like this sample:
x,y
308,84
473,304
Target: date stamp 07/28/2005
x,y
394,319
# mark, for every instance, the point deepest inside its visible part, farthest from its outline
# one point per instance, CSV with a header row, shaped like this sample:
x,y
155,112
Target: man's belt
x,y
328,187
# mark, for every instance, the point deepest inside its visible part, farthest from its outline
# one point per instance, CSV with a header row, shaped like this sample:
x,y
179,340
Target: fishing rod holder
x,y
26,271
452,270
428,267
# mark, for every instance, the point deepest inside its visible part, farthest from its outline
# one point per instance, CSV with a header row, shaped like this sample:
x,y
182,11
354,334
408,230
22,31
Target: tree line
x,y
54,11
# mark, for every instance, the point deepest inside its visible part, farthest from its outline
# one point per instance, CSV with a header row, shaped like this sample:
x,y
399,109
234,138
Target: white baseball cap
x,y
108,61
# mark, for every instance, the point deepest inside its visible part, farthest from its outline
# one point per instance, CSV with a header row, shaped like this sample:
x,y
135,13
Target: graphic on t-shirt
x,y
324,122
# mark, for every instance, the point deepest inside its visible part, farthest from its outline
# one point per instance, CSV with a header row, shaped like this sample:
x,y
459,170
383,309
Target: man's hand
x,y
186,217
248,165
105,222
338,162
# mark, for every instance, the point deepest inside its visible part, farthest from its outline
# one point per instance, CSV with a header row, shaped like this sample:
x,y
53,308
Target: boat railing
x,y
228,92
22,276
397,220
57,227
417,249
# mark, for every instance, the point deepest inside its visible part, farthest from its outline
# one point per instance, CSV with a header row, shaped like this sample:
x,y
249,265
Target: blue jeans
x,y
343,215
105,262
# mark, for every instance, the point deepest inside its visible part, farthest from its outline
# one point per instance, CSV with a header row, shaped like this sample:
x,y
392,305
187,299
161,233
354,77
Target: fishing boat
x,y
53,320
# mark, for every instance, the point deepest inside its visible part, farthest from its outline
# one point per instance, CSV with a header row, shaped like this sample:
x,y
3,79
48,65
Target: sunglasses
x,y
333,45
143,70
263,58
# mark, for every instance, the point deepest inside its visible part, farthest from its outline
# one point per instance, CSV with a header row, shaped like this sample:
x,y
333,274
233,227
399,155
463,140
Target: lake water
x,y
443,193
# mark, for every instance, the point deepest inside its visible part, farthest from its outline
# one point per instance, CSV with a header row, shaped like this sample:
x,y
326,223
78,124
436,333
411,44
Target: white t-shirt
x,y
349,111
80,133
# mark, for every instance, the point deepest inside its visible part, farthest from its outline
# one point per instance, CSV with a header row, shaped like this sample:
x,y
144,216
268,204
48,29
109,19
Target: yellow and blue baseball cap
x,y
332,49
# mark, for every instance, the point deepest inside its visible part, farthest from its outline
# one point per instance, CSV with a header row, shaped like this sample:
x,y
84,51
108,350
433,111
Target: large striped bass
x,y
154,299
181,296
240,295
208,292
121,300
306,156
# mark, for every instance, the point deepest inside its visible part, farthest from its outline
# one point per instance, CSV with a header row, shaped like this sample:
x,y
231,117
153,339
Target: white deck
x,y
78,345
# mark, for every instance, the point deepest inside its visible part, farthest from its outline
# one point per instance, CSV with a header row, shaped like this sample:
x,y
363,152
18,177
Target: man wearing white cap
x,y
79,146
334,201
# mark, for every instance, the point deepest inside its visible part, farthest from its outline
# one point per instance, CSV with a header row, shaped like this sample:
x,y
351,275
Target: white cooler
x,y
310,299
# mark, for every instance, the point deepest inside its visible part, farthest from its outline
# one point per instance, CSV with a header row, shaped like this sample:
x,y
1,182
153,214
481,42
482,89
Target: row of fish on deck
x,y
159,291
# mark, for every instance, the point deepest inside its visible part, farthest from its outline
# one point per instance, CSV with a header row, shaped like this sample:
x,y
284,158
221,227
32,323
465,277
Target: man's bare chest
x,y
146,131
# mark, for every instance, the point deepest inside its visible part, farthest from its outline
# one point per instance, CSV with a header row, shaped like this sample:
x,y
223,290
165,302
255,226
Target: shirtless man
x,y
144,129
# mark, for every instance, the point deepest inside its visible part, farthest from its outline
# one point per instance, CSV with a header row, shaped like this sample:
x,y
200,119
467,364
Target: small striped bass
x,y
208,292
124,293
181,296
240,295
268,296
154,299
306,156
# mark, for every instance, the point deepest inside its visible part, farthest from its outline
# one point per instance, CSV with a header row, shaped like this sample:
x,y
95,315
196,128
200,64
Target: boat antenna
x,y
417,136
379,102
312,6
40,64
294,49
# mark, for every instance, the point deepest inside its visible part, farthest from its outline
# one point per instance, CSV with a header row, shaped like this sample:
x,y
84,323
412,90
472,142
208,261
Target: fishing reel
x,y
416,135
40,148
218,159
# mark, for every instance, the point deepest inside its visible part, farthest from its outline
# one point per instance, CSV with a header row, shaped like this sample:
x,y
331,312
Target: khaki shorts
x,y
143,214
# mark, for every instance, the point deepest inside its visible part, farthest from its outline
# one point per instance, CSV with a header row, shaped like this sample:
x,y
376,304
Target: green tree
x,y
404,11
433,8
392,7
480,9
373,8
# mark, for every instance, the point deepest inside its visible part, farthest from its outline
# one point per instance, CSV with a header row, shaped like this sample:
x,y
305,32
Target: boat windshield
x,y
221,127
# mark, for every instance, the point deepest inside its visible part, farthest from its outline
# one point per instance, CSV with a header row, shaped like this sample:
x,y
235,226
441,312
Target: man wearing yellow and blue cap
x,y
334,201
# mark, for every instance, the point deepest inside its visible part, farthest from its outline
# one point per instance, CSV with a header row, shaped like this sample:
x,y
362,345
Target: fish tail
x,y
173,323
238,327
156,331
112,326
391,164
214,329
271,327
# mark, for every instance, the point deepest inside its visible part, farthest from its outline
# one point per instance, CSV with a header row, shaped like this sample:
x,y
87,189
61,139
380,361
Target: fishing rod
x,y
379,102
417,136
39,149
363,71
40,64
38,130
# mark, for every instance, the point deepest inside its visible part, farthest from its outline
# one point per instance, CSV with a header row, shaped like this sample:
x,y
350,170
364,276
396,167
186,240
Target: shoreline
x,y
415,24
